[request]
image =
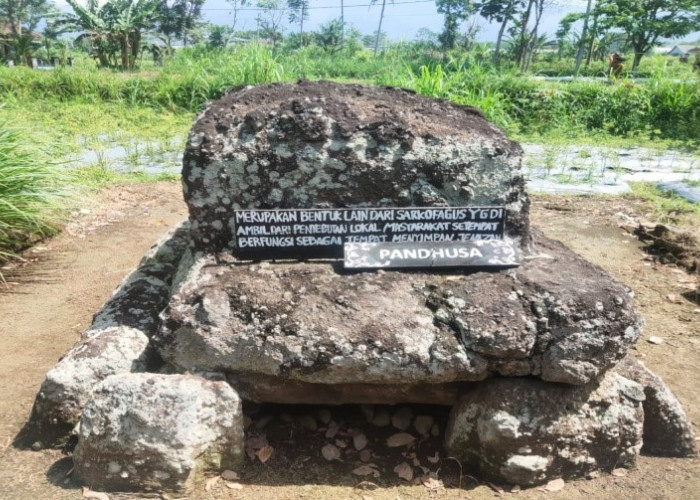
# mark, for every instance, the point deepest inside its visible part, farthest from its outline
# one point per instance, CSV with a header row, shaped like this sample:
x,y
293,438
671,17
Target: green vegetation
x,y
29,189
667,206
657,108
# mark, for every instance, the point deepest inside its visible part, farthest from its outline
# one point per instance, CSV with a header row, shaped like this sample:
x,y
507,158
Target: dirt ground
x,y
52,297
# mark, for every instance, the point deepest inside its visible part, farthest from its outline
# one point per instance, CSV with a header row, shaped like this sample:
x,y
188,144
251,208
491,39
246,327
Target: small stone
x,y
402,418
368,412
655,340
365,455
308,422
36,445
285,417
262,422
423,424
324,415
382,418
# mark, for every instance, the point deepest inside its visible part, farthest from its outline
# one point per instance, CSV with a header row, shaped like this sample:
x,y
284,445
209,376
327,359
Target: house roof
x,y
685,48
6,32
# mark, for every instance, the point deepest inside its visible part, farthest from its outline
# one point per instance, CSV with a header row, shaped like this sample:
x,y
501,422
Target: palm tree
x,y
120,22
91,20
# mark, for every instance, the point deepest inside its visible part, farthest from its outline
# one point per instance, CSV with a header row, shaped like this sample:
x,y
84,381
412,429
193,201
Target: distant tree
x,y
270,19
176,18
116,22
646,21
298,13
219,36
21,18
378,33
454,11
235,7
330,35
503,12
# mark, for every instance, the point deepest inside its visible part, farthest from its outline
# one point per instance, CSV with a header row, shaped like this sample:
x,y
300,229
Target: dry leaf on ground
x,y
400,439
229,475
366,470
619,472
233,486
404,471
209,484
94,495
431,482
330,452
554,485
265,453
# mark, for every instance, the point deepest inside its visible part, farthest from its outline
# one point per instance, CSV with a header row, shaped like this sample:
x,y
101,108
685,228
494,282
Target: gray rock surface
x,y
667,430
524,431
292,332
324,144
140,298
158,432
68,385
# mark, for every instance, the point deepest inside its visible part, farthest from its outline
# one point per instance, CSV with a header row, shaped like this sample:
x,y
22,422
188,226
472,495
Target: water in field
x,y
548,168
605,170
132,155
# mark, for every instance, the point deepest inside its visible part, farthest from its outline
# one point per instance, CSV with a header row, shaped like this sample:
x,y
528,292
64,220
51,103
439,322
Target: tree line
x,y
116,32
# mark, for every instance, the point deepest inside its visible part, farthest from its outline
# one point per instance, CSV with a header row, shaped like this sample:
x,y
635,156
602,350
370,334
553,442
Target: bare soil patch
x,y
53,297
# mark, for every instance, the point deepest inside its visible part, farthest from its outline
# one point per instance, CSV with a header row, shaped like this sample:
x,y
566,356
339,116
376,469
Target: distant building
x,y
683,51
6,41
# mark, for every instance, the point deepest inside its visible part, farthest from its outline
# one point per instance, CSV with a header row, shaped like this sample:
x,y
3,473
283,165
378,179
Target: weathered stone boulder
x,y
302,332
524,431
139,299
667,431
324,144
68,385
157,432
116,341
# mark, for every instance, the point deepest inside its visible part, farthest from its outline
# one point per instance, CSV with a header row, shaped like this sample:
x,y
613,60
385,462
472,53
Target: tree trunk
x,y
532,40
522,44
125,50
637,58
584,33
497,50
379,30
594,30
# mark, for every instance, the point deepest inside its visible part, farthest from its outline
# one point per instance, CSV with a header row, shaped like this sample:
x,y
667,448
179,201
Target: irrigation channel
x,y
548,168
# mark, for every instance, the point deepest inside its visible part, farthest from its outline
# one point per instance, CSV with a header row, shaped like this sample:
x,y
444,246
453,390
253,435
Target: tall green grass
x,y
29,189
659,107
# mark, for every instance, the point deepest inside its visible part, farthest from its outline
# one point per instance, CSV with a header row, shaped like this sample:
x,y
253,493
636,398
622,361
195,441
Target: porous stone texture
x,y
297,332
140,298
157,432
324,144
68,385
524,431
116,342
667,431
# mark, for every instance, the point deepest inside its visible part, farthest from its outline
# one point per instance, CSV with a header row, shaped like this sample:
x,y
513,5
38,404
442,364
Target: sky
x,y
402,18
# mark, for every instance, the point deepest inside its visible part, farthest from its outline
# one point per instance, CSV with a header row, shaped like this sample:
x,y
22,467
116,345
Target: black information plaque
x,y
476,253
321,233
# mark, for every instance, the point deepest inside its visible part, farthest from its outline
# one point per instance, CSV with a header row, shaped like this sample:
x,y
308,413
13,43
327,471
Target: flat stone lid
x,y
556,317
